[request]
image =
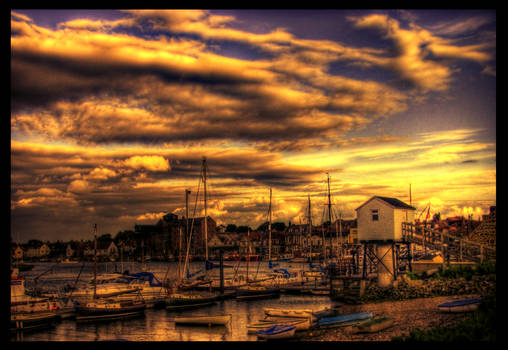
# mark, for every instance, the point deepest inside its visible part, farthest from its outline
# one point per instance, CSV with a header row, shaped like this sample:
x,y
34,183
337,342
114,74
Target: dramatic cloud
x,y
111,117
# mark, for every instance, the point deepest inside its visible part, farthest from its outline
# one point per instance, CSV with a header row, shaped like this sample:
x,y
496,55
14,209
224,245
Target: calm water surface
x,y
157,324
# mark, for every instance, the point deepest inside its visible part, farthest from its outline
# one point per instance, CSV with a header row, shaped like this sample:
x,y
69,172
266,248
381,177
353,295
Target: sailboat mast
x,y
206,217
310,232
95,263
329,201
270,228
248,255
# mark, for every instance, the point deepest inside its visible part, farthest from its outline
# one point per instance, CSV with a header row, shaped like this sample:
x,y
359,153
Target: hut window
x,y
375,215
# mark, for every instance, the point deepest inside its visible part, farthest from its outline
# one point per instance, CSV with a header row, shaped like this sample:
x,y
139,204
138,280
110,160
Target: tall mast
x,y
206,217
95,263
310,231
329,201
270,228
248,255
329,218
187,192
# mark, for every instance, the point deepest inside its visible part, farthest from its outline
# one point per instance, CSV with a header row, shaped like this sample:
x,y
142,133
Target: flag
x,y
428,213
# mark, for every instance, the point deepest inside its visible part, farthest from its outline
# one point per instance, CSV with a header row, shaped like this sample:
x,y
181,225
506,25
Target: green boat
x,y
374,325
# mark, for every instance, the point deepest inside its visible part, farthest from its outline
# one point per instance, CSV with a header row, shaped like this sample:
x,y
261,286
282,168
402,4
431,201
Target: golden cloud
x,y
151,163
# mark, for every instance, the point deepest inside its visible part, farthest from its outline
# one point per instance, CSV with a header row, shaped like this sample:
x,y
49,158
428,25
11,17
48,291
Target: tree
x,y
243,229
123,236
279,226
263,226
231,228
105,237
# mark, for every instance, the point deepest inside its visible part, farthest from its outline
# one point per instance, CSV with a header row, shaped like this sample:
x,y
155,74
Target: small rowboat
x,y
205,320
288,312
463,305
343,320
300,323
374,325
277,332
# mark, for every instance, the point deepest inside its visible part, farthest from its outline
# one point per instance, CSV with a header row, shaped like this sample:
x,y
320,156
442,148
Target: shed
x,y
381,218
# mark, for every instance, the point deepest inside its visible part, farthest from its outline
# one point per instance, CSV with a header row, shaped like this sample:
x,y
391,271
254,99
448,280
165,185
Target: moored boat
x,y
343,320
463,305
206,320
256,292
30,321
277,332
109,309
106,286
179,301
97,309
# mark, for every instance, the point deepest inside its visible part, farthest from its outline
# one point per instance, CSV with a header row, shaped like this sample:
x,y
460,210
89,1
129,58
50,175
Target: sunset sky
x,y
113,111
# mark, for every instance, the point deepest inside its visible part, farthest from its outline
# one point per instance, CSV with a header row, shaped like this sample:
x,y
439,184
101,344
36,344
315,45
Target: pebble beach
x,y
407,315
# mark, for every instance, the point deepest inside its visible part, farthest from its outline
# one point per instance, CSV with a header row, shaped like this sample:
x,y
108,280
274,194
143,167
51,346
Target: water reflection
x,y
157,324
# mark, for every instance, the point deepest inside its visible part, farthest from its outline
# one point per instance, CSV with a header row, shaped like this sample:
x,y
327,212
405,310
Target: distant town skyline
x,y
112,112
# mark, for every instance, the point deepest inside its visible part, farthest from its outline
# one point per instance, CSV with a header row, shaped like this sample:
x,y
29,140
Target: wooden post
x,y
394,258
409,257
442,249
423,242
460,251
364,272
221,267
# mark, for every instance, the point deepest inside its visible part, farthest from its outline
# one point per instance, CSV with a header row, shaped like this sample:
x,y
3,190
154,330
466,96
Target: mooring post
x,y
409,257
221,268
364,268
394,259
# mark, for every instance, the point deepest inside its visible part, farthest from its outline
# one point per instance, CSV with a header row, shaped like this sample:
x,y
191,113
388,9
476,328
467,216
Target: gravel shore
x,y
407,315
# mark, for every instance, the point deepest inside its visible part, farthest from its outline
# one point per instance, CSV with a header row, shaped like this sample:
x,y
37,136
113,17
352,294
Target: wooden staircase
x,y
452,247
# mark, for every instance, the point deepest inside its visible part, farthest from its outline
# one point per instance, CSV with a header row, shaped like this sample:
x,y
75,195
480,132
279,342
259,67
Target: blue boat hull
x,y
343,320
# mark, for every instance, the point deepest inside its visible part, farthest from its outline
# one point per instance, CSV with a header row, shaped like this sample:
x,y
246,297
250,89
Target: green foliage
x,y
467,272
413,276
480,326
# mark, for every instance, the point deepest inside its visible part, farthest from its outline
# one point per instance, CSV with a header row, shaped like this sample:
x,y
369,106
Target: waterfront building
x,y
381,218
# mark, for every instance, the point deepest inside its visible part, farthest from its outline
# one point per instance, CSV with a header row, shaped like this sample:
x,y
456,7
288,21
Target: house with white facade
x,y
381,218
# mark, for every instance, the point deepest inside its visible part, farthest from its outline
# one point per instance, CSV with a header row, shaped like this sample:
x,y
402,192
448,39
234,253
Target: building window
x,y
375,215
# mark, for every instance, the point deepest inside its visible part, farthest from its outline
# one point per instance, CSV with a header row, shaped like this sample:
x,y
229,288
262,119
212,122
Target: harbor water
x,y
157,324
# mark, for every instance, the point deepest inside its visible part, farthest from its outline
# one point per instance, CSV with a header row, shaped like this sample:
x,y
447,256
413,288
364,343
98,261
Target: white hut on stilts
x,y
380,222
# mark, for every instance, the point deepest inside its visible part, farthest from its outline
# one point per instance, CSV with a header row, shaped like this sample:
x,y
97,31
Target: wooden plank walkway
x,y
451,247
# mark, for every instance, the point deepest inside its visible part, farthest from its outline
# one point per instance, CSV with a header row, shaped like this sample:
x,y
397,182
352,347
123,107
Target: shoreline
x,y
408,315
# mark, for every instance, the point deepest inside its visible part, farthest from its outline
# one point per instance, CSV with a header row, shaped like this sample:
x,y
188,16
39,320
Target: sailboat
x,y
180,299
255,290
107,308
29,312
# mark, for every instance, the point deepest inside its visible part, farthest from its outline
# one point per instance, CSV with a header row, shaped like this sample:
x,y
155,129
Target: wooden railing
x,y
450,246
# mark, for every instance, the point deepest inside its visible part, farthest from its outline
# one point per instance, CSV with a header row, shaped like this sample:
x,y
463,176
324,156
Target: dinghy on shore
x,y
300,323
343,320
277,332
463,305
373,325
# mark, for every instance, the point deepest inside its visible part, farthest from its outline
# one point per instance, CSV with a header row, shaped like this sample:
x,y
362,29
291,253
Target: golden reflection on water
x,y
157,324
